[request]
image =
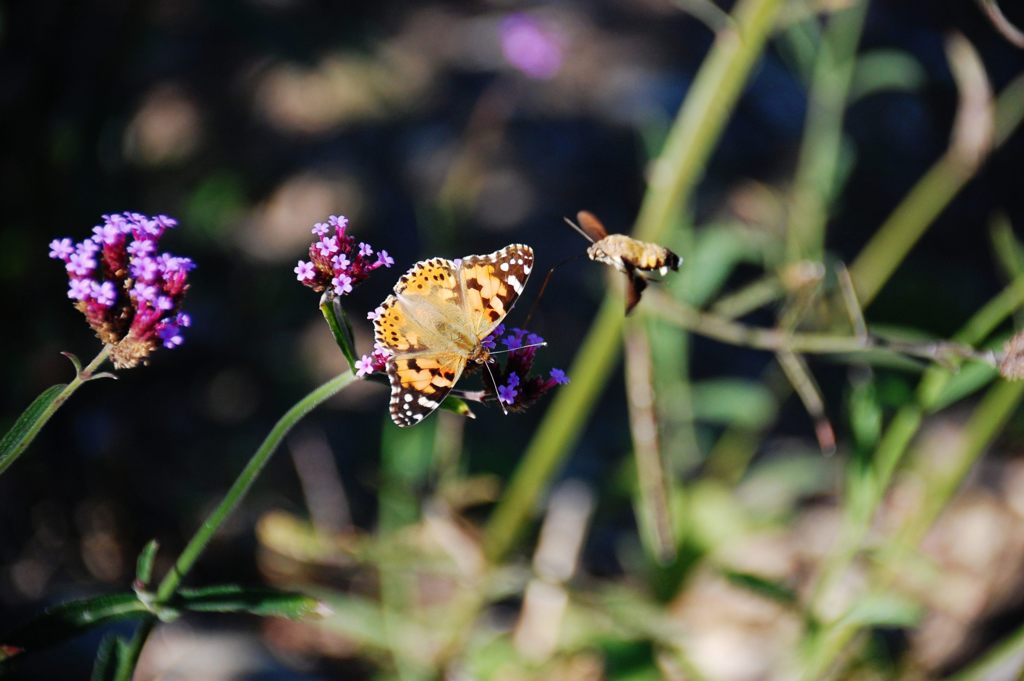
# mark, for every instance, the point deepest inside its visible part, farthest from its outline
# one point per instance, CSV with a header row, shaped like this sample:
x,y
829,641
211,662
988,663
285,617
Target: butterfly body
x,y
435,323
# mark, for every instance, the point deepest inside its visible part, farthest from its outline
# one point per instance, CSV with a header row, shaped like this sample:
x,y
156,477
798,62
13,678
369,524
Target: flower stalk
x,y
186,561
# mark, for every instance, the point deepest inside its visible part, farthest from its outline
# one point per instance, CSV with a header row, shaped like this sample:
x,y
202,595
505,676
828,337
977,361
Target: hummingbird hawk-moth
x,y
634,258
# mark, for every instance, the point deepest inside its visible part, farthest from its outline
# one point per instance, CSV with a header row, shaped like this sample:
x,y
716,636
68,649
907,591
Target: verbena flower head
x,y
517,386
130,295
337,262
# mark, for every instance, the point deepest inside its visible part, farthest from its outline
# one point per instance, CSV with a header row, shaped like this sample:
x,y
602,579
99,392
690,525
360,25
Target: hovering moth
x,y
635,258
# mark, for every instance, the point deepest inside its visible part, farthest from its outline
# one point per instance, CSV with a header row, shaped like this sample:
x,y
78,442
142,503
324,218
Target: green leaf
x,y
865,416
884,610
144,565
762,586
340,327
971,378
457,405
255,601
882,70
28,425
109,658
745,404
719,249
71,619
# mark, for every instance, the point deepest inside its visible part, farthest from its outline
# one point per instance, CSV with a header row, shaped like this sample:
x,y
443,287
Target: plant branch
x,y
172,580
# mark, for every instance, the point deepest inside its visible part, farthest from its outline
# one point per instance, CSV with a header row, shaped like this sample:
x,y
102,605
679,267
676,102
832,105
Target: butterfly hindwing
x,y
491,284
419,385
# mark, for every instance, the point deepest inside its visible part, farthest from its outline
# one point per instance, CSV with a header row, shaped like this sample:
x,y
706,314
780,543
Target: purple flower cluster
x,y
375,362
517,388
336,261
130,294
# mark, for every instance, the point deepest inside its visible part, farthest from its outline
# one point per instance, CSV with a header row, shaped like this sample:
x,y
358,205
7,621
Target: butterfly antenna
x,y
521,347
501,403
579,229
540,293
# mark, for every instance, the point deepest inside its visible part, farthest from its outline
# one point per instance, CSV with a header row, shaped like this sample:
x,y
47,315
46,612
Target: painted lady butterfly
x,y
435,323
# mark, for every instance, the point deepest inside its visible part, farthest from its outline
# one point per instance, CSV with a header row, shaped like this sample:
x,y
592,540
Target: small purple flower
x,y
374,313
533,339
507,393
130,296
364,365
143,291
531,46
141,249
81,264
384,259
320,229
514,340
170,334
365,249
107,234
327,245
342,284
79,289
61,249
340,262
339,222
304,271
559,377
145,268
104,294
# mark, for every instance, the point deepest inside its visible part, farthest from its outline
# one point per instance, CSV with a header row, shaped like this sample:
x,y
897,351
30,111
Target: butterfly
x,y
435,323
631,256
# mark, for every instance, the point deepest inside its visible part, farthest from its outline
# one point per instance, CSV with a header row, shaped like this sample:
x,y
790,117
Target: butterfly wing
x,y
420,383
422,369
491,284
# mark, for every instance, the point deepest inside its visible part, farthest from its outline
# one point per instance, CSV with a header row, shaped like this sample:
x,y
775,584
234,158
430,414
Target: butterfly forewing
x,y
491,284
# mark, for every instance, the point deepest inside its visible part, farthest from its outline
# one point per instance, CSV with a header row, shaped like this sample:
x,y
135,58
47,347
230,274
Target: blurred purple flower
x,y
336,262
131,299
531,46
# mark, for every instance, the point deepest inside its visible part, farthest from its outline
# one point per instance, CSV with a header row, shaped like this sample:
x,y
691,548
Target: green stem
x,y
81,377
816,175
169,586
687,148
725,330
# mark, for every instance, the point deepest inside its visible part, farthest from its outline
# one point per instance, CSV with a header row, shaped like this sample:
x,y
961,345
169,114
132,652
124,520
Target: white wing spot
x,y
408,397
503,267
515,283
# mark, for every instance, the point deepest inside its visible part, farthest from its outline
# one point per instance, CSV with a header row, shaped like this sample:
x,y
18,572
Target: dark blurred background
x,y
250,121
